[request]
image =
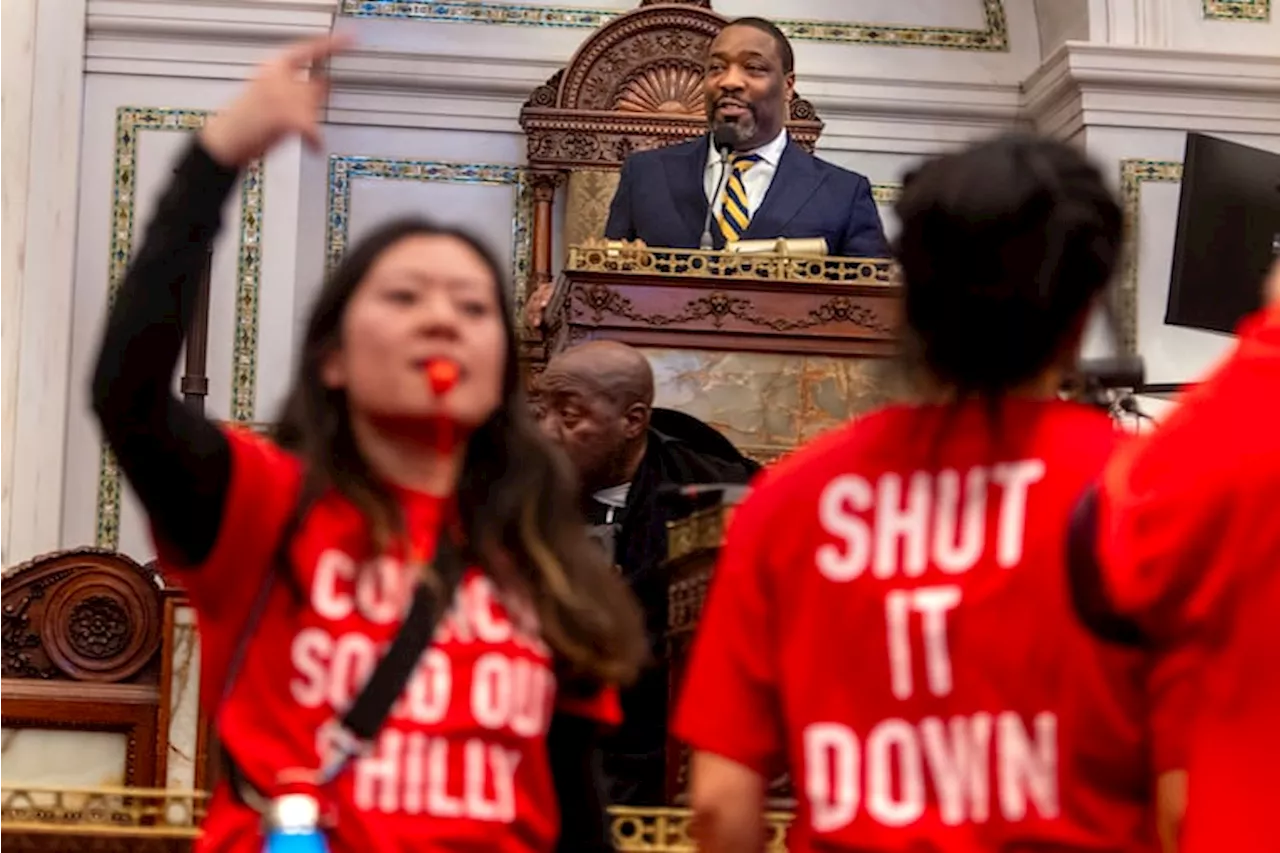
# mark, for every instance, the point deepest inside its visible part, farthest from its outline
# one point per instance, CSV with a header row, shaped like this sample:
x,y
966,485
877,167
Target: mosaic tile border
x,y
993,36
344,168
885,193
1237,10
1134,173
130,122
244,366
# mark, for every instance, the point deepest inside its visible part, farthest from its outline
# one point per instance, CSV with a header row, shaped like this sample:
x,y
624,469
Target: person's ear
x,y
789,85
637,420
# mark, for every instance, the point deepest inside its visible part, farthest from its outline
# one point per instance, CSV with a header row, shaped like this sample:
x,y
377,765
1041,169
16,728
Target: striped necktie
x,y
735,213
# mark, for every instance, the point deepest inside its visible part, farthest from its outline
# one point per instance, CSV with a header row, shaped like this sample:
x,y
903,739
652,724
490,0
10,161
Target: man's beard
x,y
740,129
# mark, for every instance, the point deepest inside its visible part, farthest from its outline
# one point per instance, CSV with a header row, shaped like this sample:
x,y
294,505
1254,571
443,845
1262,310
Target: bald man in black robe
x,y
596,401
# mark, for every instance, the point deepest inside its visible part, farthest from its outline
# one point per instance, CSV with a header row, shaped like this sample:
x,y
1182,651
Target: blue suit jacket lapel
x,y
795,180
684,166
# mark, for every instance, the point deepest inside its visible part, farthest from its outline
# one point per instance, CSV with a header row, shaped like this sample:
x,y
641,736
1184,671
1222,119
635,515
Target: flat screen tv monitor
x,y
1228,233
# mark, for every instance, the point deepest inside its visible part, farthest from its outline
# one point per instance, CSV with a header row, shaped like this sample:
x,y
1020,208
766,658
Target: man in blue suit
x,y
771,186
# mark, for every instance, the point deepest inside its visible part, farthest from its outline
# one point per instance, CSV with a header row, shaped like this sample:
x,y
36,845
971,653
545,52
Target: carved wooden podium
x,y
706,300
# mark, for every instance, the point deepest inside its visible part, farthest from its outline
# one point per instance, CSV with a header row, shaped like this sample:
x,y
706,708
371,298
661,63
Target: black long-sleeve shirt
x,y
179,463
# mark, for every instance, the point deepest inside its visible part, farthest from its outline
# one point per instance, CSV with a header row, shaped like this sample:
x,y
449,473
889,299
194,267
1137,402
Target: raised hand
x,y
536,304
283,98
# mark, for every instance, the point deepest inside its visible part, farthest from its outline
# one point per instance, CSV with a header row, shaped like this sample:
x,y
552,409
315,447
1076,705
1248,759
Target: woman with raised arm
x,y
412,470
907,647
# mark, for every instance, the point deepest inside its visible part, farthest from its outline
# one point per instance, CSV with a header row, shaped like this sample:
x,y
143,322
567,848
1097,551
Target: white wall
x,y
1169,70
428,100
45,55
1190,29
1060,21
157,149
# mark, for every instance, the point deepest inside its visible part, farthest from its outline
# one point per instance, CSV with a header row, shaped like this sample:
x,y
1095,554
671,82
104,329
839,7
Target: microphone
x,y
730,492
1129,406
723,138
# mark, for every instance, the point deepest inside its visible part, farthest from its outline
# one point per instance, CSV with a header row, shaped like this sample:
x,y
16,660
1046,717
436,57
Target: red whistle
x,y
442,375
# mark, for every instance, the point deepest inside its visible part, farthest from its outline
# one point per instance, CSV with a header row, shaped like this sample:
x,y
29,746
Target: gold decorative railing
x,y
702,530
161,814
666,830
616,256
101,811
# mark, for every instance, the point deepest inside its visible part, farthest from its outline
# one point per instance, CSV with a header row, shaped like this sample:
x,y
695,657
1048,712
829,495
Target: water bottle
x,y
293,826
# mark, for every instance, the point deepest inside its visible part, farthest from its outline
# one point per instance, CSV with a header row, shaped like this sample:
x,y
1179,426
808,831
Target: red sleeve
x,y
603,707
260,497
1170,503
728,702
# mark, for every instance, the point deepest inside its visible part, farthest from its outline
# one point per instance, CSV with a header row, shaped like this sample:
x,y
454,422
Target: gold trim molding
x,y
165,814
1134,173
885,193
115,812
130,123
699,531
615,256
992,36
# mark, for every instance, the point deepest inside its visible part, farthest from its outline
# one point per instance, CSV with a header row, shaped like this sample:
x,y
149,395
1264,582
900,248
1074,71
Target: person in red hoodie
x,y
890,619
301,555
1185,551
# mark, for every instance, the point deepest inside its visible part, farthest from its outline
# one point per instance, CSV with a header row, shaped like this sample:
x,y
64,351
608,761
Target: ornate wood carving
x,y
544,185
635,84
84,615
824,318
82,634
718,306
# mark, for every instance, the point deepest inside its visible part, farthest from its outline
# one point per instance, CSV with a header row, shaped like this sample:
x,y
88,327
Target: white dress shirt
x,y
755,181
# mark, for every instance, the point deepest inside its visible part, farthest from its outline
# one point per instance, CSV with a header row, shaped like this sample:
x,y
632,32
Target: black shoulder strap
x,y
364,719
368,712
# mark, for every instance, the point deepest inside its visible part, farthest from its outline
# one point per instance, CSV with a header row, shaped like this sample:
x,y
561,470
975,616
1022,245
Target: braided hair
x,y
1003,248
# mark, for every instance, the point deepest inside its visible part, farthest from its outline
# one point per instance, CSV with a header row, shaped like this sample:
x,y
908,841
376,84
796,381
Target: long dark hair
x,y
1003,248
516,497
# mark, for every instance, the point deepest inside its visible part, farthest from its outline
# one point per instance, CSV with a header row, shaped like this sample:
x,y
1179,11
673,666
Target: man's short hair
x,y
779,37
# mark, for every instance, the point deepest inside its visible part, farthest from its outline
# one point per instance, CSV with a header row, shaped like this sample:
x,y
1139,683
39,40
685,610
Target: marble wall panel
x,y
184,703
766,403
63,758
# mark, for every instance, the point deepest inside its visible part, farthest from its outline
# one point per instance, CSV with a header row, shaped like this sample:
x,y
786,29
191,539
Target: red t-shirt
x,y
461,764
1189,540
890,620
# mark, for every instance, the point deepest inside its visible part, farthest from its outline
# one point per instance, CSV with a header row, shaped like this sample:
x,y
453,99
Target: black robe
x,y
681,450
